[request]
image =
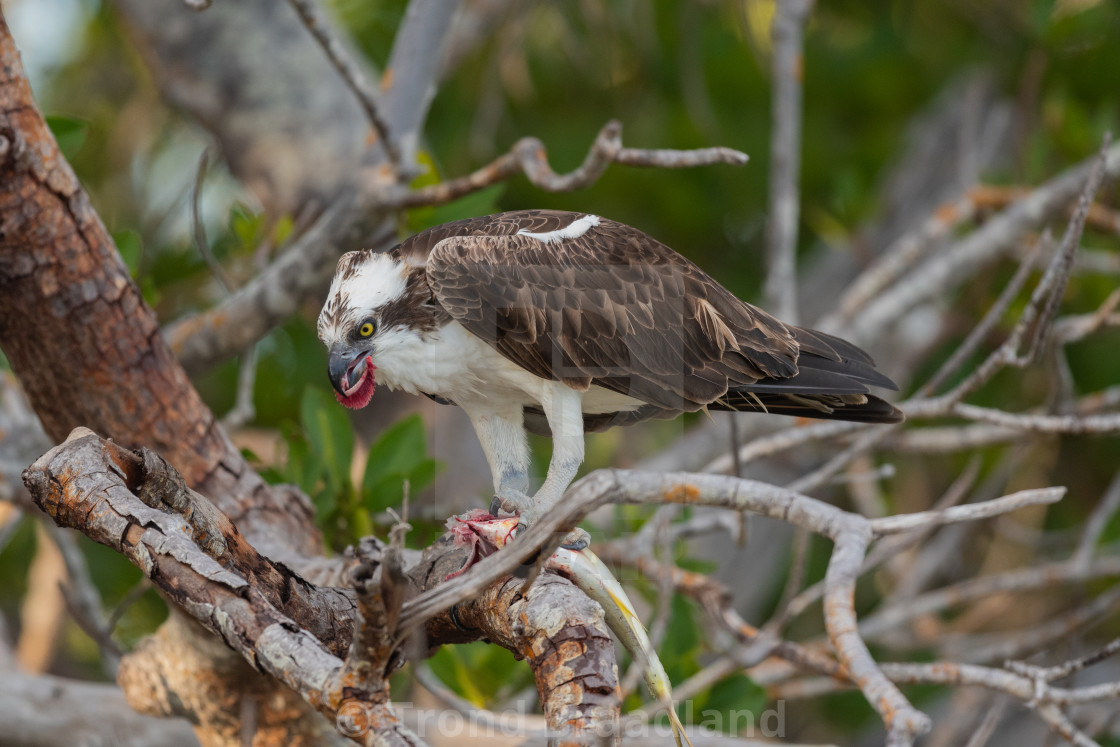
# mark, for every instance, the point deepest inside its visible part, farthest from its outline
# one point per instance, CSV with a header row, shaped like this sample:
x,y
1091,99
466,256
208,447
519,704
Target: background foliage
x,y
678,74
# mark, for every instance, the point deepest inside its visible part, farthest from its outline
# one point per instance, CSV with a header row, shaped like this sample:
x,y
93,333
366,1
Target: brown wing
x,y
612,307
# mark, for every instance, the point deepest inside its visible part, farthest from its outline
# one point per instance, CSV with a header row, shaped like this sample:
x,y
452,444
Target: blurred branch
x,y
83,600
1041,576
788,34
997,236
413,70
350,73
47,710
1098,520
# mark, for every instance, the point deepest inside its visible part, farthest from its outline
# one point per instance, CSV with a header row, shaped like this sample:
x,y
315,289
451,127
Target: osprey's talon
x,y
511,502
577,540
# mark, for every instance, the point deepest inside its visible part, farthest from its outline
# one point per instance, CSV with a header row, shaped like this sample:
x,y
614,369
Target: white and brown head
x,y
375,304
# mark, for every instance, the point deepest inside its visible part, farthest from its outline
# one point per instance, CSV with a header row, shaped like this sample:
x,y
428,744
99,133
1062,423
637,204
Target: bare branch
x,y
200,241
996,237
1070,424
788,34
46,710
987,323
1098,520
1046,575
969,512
350,72
413,70
529,156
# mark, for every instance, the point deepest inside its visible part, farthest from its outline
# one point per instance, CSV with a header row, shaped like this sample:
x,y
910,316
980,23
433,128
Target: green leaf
x,y
328,433
679,656
128,244
483,202
388,492
246,225
737,693
399,454
69,132
397,451
479,671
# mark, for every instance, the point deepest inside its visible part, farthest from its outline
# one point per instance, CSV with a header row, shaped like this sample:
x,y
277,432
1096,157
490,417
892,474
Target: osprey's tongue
x,y
358,393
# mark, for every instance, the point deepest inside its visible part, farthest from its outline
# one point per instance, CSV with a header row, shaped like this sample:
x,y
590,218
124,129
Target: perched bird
x,y
561,323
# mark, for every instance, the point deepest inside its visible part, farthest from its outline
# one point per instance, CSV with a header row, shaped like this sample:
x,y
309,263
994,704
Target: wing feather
x,y
616,308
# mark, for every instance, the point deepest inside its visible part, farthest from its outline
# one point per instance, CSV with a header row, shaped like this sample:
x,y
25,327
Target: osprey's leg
x,y
503,439
563,407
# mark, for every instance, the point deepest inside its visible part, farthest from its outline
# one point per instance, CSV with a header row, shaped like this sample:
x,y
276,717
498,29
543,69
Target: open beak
x,y
347,370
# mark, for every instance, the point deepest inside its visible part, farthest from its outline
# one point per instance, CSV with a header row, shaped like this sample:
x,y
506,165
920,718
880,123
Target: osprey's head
x,y
367,287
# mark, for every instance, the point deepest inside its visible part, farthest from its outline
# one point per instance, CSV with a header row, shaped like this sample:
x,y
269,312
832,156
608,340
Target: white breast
x,y
453,363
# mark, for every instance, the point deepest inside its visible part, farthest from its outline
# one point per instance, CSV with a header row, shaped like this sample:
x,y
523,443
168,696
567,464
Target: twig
x,y
997,236
1047,575
968,512
1061,671
483,717
244,409
1070,424
1040,311
798,566
1028,642
529,156
130,598
891,546
1097,521
988,726
783,440
82,597
200,241
864,441
737,471
350,73
900,257
1073,328
788,35
990,319
947,439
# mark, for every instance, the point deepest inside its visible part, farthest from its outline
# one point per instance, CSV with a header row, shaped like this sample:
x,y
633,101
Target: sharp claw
x,y
495,506
581,544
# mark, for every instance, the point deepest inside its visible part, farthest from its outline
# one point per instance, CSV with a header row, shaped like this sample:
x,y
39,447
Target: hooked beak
x,y
348,369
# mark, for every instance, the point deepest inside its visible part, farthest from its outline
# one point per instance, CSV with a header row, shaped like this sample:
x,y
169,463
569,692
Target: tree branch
x,y
788,69
350,73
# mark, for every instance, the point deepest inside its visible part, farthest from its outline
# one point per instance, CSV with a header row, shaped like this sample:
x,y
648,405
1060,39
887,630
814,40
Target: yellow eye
x,y
366,329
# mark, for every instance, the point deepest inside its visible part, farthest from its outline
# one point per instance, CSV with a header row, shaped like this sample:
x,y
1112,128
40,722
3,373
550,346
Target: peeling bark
x,y
300,634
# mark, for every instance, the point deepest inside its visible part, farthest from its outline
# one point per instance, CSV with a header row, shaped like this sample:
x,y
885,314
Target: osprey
x,y
561,323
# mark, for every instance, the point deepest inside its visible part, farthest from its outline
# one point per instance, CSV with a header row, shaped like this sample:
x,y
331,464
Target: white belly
x,y
454,364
